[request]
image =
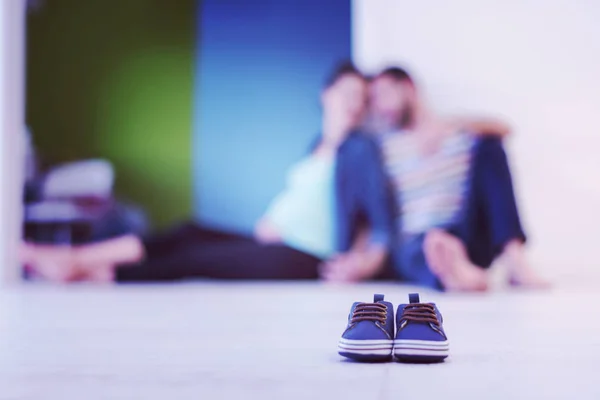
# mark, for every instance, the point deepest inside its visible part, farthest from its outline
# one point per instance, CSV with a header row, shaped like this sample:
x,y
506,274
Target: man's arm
x,y
482,126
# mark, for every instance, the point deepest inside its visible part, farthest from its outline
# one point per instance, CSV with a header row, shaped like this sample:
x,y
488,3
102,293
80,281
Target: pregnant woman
x,y
311,229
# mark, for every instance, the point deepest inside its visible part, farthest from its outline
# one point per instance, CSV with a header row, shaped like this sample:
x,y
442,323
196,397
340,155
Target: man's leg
x,y
491,218
491,225
447,259
437,260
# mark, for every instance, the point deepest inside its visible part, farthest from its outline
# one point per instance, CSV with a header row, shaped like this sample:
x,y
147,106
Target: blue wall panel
x,y
260,67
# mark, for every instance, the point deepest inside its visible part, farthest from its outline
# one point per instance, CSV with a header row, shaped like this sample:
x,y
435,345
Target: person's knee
x,y
490,149
490,161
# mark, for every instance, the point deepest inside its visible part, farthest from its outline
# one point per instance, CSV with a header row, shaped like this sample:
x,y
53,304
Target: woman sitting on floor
x,y
307,231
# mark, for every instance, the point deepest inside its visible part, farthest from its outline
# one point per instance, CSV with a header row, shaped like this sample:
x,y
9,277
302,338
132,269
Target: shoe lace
x,y
375,312
420,312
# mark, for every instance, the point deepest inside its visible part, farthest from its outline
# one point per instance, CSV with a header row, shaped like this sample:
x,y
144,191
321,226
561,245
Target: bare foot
x,y
92,268
98,273
520,272
51,262
448,260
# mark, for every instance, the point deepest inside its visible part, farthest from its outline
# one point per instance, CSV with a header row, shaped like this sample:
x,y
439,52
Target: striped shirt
x,y
430,189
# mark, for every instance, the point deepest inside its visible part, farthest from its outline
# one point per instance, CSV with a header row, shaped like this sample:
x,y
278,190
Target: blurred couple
x,y
388,191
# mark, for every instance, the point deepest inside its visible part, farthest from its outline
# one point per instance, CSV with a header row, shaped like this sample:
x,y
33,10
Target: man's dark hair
x,y
396,73
342,69
401,75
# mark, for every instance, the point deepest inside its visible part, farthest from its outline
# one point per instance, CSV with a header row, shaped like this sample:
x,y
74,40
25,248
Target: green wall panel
x,y
114,79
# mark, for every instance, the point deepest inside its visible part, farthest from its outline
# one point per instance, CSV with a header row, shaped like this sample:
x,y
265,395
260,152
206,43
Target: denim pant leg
x,y
490,218
410,263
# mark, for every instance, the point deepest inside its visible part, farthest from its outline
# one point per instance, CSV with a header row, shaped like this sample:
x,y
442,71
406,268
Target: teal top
x,y
304,212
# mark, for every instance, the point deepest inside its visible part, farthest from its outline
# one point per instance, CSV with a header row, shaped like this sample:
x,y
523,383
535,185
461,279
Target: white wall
x,y
2,144
12,72
535,62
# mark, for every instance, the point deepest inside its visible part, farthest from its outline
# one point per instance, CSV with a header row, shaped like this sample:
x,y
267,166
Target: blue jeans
x,y
488,221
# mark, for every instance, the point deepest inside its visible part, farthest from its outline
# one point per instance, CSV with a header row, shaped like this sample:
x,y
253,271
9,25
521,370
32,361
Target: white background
x,y
535,63
2,139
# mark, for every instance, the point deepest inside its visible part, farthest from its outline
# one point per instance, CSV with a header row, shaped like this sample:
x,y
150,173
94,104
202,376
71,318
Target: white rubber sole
x,y
424,348
366,347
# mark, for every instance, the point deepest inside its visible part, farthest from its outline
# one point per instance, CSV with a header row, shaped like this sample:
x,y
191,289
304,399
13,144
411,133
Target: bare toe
x,y
448,260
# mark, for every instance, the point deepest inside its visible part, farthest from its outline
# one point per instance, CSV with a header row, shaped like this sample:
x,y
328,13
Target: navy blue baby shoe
x,y
370,331
420,336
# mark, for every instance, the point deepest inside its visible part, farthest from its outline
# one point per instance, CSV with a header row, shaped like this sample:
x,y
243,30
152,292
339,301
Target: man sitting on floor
x,y
456,209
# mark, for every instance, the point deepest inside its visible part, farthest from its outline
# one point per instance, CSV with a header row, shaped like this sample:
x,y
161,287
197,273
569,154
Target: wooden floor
x,y
278,341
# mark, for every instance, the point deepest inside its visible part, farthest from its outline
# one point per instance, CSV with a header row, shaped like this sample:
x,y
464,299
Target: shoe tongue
x,y
377,298
414,298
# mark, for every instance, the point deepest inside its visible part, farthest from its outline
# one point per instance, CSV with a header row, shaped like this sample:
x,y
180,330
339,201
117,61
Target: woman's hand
x,y
266,232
